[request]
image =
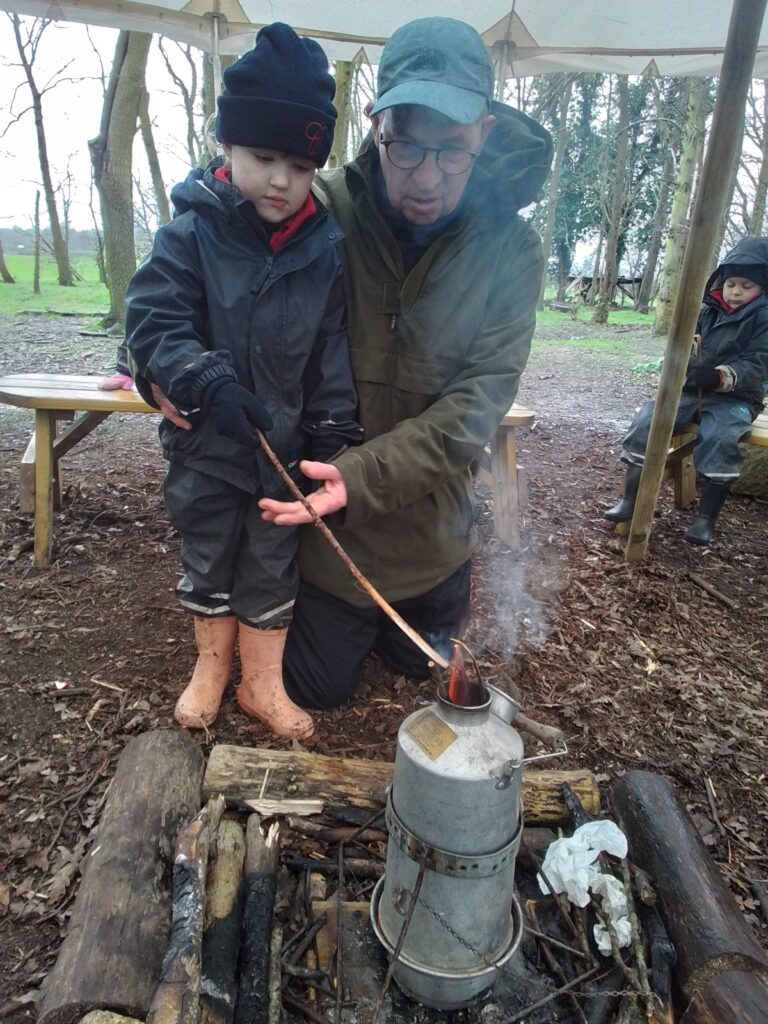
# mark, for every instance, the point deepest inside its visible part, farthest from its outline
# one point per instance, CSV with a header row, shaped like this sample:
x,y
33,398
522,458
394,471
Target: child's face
x,y
276,183
738,291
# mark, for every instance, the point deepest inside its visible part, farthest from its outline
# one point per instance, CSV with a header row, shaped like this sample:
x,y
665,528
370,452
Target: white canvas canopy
x,y
666,37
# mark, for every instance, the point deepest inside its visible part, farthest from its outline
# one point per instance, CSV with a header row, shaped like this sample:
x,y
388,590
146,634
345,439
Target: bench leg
x,y
683,474
506,504
45,429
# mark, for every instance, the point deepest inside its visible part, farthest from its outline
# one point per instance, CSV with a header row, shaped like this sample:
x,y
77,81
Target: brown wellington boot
x,y
261,692
198,706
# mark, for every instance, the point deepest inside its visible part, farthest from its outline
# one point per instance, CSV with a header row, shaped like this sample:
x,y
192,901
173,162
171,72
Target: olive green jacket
x,y
437,356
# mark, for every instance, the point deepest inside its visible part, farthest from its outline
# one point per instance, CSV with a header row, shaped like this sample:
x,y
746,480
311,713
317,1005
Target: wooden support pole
x,y
261,853
119,927
222,926
727,125
709,933
176,1000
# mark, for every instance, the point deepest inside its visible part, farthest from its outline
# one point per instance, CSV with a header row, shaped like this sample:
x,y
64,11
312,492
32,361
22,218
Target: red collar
x,y
284,231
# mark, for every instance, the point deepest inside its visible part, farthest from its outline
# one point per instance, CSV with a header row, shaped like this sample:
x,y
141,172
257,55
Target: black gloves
x,y
234,410
705,377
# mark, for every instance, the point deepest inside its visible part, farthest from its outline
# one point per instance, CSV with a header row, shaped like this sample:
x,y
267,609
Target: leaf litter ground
x,y
641,666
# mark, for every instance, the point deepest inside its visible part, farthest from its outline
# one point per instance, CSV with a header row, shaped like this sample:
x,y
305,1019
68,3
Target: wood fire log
x,y
177,999
240,772
704,923
731,996
222,926
119,927
261,853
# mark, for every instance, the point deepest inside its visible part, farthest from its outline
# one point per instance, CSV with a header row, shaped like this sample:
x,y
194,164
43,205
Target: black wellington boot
x,y
712,499
622,513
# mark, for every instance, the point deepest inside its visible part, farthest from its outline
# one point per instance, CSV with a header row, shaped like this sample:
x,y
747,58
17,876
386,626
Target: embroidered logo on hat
x,y
314,133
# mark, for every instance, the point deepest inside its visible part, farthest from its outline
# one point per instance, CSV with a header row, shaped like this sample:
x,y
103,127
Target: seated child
x,y
723,387
238,317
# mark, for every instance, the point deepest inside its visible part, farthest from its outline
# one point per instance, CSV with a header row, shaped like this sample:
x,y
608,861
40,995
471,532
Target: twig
x,y
552,963
274,983
705,585
366,585
637,940
401,937
308,938
556,942
340,935
712,805
303,1008
522,1014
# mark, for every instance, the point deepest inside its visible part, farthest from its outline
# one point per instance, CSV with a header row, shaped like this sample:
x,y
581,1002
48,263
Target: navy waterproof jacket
x,y
213,300
738,340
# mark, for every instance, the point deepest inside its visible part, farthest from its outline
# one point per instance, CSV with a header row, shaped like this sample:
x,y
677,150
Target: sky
x,y
71,115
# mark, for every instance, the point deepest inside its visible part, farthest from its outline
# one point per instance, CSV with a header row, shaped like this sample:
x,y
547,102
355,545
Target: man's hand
x,y
330,497
706,377
168,409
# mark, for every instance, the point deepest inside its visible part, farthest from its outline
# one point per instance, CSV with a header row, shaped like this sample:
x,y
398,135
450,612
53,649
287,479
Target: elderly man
x,y
442,277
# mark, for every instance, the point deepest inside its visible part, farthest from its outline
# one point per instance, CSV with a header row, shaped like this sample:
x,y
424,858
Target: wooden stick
x,y
222,926
261,855
177,995
552,963
366,585
548,999
706,585
274,983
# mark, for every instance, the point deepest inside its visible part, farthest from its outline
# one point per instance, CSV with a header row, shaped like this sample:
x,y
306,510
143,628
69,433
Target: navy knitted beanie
x,y
279,96
754,271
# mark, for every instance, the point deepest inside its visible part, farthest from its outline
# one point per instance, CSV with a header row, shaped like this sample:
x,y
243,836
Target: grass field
x,y
88,296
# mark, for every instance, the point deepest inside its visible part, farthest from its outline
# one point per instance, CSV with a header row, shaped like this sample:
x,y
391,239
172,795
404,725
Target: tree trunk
x,y
726,215
5,273
59,246
554,180
158,185
617,201
111,159
670,138
692,145
345,81
36,271
757,217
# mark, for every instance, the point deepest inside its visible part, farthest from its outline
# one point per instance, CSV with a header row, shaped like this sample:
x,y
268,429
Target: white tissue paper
x,y
570,866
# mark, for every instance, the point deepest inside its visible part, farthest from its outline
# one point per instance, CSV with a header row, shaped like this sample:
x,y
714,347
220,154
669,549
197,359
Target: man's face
x,y
276,183
738,291
426,193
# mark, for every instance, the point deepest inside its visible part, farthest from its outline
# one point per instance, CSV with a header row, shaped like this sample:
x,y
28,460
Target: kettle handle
x,y
548,734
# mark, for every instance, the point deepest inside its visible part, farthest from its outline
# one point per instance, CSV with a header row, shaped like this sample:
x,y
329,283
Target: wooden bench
x,y
680,467
500,471
57,397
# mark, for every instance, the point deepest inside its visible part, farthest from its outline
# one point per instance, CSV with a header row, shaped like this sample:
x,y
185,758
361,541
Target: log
x,y
705,925
261,853
239,773
120,922
222,925
107,1017
731,996
177,999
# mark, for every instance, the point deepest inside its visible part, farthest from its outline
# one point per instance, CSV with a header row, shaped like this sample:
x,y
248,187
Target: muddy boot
x,y
198,706
712,499
261,692
622,513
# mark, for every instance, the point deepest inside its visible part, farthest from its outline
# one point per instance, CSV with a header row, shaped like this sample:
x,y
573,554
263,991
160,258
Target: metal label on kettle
x,y
431,734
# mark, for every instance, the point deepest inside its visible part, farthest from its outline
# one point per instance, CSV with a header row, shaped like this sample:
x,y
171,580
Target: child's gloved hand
x,y
234,410
706,377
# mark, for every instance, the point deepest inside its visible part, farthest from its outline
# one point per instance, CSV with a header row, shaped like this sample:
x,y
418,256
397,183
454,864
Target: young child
x,y
238,317
723,386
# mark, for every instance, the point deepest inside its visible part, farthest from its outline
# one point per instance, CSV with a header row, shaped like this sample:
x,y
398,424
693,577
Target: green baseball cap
x,y
439,63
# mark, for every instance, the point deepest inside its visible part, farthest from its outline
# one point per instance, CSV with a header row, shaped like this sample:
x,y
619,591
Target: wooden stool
x,y
506,479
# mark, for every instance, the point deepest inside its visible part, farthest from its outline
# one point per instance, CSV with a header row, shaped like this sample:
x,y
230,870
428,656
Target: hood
x,y
202,192
514,164
751,251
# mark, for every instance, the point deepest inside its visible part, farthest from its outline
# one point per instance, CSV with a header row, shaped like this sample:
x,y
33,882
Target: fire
x,y
462,690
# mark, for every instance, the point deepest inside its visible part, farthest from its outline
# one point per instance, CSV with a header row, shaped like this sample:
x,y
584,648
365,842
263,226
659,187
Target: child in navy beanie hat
x,y
237,318
279,96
